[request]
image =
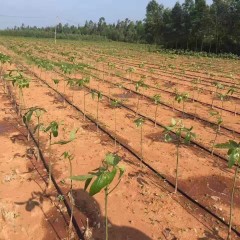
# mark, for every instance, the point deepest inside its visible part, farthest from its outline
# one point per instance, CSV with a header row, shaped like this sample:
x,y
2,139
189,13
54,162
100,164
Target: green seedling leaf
x,y
102,181
82,178
112,159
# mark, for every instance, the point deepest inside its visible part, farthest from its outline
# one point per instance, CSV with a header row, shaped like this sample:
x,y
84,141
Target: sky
x,y
45,12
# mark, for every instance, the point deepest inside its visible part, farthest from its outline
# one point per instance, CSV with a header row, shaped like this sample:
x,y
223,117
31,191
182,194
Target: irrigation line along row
x,y
165,72
133,153
75,224
161,103
150,119
188,75
171,93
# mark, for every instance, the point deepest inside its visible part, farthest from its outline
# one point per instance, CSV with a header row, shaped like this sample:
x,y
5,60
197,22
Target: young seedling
x,y
52,130
182,98
66,69
138,86
223,98
139,123
104,176
157,100
99,98
3,60
68,156
199,90
218,86
178,128
129,72
56,82
195,87
37,112
233,159
115,104
218,121
230,92
21,82
71,82
82,83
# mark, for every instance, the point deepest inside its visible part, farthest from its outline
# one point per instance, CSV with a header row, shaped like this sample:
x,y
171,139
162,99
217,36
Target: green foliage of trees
x,y
192,26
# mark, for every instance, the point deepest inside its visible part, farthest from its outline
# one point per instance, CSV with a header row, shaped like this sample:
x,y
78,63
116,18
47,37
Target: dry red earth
x,y
143,206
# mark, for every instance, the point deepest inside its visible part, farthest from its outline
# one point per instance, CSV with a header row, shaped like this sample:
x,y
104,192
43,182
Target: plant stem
x,y
71,199
177,164
106,212
137,105
141,143
155,118
232,203
97,112
215,140
50,161
115,130
84,104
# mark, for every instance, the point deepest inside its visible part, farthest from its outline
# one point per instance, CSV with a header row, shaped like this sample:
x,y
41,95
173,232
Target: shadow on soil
x,y
90,209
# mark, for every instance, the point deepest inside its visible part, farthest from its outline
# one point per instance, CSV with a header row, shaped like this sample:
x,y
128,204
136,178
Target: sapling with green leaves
x,y
66,69
157,100
230,92
129,72
37,112
139,122
103,178
218,86
233,159
99,98
56,82
52,130
3,60
21,82
182,133
115,104
218,122
195,87
222,97
82,83
182,98
138,87
68,156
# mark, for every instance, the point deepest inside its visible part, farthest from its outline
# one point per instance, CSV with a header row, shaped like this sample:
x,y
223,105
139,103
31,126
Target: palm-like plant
x,y
104,176
234,159
178,128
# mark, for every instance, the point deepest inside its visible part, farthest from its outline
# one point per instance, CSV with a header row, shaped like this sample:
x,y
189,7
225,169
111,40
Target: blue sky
x,y
44,12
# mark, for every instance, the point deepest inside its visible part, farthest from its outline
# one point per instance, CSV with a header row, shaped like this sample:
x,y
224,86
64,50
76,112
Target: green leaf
x,y
173,122
226,145
88,181
122,170
82,178
112,159
167,138
102,181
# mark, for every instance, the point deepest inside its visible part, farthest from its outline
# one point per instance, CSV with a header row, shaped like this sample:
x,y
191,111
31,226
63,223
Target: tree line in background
x,y
193,25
